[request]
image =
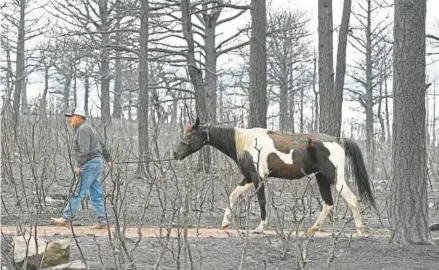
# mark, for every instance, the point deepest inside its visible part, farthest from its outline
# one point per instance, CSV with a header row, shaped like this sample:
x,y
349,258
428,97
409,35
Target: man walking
x,y
88,151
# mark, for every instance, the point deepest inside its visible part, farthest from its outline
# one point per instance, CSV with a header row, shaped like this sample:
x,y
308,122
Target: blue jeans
x,y
90,179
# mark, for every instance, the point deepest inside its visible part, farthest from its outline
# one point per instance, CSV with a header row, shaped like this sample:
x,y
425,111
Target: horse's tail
x,y
357,168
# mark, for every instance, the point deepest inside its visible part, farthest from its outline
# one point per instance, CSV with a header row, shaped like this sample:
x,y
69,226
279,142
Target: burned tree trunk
x,y
20,61
142,110
117,102
316,95
24,105
66,92
43,102
75,86
408,210
258,66
369,91
389,135
86,91
283,107
105,62
327,122
341,65
379,114
211,59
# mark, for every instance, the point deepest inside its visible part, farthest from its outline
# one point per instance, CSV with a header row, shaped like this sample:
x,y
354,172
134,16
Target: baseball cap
x,y
77,111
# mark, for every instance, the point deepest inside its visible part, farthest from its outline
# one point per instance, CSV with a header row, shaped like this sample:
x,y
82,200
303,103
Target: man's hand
x,y
77,170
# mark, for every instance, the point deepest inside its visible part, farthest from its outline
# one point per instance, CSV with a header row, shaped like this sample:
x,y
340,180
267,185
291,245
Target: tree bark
x,y
389,135
75,90
117,101
211,60
66,93
379,114
43,102
221,103
142,110
20,60
24,105
408,202
283,107
327,122
86,92
258,66
105,63
369,90
291,105
130,105
380,117
9,80
341,65
316,95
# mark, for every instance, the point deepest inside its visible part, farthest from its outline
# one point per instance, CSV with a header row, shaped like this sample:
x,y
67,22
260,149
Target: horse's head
x,y
192,141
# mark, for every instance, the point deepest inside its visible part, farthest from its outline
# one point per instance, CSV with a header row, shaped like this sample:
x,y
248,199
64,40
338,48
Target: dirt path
x,y
156,232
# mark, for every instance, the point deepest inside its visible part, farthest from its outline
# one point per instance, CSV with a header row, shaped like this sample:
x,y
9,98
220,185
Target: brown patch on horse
x,y
318,156
286,143
311,150
279,169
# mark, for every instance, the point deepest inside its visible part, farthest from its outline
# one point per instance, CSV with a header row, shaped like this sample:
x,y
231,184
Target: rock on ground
x,y
55,252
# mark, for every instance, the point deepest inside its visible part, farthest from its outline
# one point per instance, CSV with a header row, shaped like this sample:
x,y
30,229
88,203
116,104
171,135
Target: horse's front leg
x,y
234,196
260,191
262,205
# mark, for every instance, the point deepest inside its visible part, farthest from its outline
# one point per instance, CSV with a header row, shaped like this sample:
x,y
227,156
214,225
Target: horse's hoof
x,y
312,230
225,225
362,230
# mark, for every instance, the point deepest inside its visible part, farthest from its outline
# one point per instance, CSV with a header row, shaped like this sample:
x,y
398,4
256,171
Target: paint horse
x,y
261,153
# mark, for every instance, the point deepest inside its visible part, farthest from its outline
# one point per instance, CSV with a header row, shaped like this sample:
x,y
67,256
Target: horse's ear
x,y
197,123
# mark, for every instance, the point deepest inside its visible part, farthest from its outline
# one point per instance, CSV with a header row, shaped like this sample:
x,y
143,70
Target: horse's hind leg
x,y
234,196
352,201
325,190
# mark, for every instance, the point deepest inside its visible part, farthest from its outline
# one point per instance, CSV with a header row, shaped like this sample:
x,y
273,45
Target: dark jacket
x,y
88,145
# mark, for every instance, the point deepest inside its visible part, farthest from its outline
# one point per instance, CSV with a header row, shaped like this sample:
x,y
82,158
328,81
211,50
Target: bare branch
x,y
432,37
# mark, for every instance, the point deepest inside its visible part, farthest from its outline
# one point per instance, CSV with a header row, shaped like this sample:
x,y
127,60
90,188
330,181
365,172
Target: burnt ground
x,y
158,202
262,251
265,253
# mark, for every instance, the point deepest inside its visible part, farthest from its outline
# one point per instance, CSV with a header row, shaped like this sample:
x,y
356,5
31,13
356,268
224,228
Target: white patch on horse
x,y
260,146
338,158
234,196
323,214
244,139
261,226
